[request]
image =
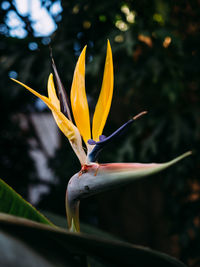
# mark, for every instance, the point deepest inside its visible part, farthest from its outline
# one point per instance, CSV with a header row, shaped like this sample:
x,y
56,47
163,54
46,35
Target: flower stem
x,y
72,211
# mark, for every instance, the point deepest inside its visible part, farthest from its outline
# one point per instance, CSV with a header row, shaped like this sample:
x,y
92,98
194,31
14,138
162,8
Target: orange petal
x,y
79,100
104,102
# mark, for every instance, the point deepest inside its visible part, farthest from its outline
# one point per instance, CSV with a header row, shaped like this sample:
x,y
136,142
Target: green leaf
x,y
12,203
85,228
59,246
16,252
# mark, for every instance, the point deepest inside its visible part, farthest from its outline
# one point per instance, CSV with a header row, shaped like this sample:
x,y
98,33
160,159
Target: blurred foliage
x,y
156,62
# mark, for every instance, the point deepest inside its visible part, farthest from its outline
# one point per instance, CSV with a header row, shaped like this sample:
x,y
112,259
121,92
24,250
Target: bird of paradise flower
x,y
93,176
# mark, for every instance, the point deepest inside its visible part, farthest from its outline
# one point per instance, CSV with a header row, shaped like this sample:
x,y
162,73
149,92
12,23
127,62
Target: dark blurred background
x,y
156,64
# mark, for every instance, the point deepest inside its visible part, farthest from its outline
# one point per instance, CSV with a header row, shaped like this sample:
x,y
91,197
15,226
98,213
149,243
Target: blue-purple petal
x,y
106,140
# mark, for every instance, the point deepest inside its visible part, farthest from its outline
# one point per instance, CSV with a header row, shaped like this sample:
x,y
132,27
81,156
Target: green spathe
x,y
96,178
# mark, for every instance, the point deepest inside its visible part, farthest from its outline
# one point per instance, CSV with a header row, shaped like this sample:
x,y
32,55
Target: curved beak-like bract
x,y
93,177
102,177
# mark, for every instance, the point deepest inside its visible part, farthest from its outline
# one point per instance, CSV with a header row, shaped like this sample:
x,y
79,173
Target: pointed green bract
x,y
12,203
102,177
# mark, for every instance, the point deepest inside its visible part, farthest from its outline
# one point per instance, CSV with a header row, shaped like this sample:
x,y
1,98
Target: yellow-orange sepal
x,y
79,100
104,102
65,125
52,92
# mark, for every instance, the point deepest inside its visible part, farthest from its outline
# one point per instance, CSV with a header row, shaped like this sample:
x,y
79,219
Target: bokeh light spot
x,y
12,74
33,46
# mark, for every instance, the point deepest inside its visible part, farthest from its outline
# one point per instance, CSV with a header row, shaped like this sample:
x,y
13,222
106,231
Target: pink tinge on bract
x,y
126,166
115,167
